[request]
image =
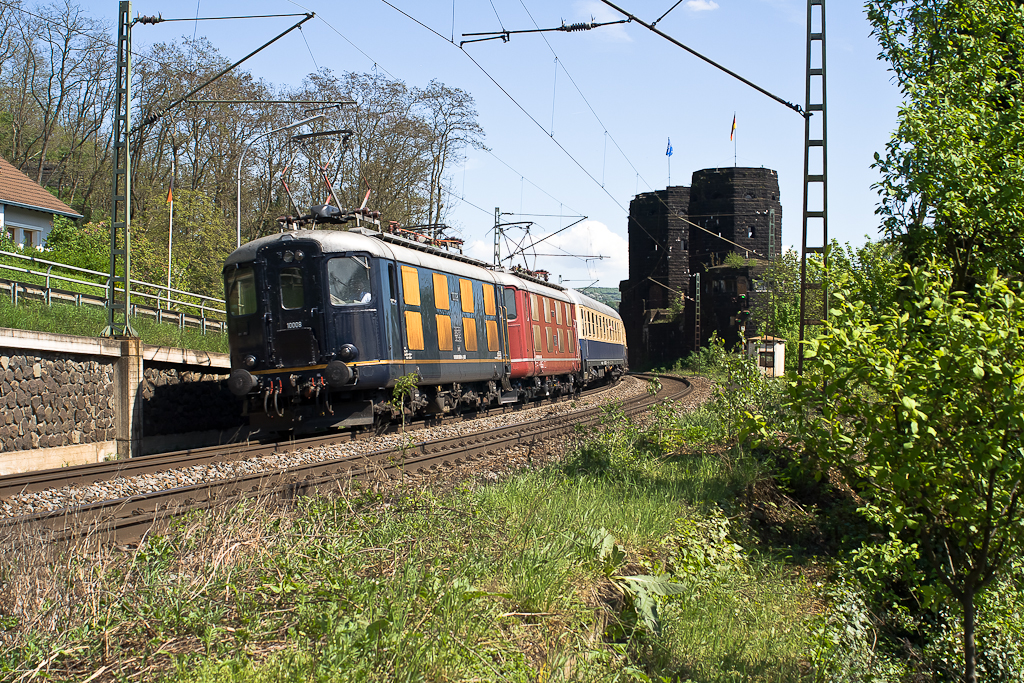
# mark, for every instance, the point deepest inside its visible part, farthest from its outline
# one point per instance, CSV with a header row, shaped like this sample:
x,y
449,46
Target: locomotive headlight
x,y
299,255
348,352
249,361
288,256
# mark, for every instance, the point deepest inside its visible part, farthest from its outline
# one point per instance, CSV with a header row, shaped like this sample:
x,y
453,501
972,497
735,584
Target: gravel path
x,y
122,487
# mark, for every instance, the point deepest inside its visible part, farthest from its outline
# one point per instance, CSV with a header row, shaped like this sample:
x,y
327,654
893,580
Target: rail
x,y
128,519
166,295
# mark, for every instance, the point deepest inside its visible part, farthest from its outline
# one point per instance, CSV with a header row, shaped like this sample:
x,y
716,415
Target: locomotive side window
x,y
392,283
469,333
241,292
292,296
547,309
489,307
466,293
510,303
558,312
411,286
533,307
536,340
441,301
349,281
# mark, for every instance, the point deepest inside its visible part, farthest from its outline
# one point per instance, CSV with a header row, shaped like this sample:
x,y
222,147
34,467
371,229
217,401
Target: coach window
x,y
291,288
466,294
349,280
442,300
241,292
510,303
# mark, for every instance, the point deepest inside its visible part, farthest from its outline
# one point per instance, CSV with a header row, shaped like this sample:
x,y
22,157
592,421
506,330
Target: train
x,y
323,324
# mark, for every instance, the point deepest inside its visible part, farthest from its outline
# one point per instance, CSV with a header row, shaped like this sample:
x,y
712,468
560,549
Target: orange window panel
x,y
492,334
537,348
411,287
414,330
441,301
489,305
444,332
466,293
469,333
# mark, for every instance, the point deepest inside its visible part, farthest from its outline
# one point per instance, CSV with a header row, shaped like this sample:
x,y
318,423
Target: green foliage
x,y
83,246
734,260
953,173
89,321
707,360
923,410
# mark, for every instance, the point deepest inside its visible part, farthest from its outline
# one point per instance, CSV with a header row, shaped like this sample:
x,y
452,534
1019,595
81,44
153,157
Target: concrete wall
x,y
70,400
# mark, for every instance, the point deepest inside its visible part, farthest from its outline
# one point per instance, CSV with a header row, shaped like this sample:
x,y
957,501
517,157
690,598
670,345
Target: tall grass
x,y
527,580
88,321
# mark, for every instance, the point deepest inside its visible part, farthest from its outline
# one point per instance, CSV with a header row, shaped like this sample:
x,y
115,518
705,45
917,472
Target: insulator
x,y
149,20
577,27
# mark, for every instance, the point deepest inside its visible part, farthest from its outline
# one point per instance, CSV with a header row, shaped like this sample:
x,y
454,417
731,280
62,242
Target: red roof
x,y
18,189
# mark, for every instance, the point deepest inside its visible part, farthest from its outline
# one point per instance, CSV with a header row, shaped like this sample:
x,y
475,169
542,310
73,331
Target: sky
x,y
578,123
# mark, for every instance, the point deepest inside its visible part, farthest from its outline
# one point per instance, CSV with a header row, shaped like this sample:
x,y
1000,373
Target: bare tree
x,y
453,127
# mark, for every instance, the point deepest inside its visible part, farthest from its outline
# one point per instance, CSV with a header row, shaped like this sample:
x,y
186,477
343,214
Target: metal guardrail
x,y
206,304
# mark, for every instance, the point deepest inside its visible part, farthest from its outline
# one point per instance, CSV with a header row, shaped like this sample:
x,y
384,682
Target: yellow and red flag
x,y
732,132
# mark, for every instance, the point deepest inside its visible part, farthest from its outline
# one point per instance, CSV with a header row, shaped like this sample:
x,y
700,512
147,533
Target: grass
x,y
88,321
525,580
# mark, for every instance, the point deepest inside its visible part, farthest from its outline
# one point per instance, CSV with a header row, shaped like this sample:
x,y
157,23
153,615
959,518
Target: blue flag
x,y
668,150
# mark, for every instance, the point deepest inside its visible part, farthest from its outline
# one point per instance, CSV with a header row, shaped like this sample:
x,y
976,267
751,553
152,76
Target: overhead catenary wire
x,y
795,107
601,184
377,65
156,116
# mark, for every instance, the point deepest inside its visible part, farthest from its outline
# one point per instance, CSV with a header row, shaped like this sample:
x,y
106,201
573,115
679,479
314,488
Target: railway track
x,y
126,520
81,475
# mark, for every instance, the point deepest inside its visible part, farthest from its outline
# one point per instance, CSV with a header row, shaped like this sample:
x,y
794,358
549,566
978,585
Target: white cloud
x,y
701,5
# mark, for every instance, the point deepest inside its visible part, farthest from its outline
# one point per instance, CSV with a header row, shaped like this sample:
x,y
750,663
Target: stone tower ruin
x,y
739,213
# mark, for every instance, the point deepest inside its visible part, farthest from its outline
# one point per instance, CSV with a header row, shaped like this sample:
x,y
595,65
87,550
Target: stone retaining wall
x,y
51,401
68,400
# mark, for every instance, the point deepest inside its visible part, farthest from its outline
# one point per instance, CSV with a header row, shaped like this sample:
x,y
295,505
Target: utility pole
x,y
815,221
119,301
497,237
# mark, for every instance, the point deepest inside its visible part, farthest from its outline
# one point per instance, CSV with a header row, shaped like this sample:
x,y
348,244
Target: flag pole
x,y
170,228
732,136
668,153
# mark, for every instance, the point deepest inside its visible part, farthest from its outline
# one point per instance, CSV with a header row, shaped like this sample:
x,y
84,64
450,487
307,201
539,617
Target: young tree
x,y
953,174
923,410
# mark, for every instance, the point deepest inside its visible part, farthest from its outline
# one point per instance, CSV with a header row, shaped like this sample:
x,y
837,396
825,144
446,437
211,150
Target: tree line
x,y
57,70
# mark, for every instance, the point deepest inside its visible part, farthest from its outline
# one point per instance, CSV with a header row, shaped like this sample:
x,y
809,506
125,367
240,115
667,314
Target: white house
x,y
26,209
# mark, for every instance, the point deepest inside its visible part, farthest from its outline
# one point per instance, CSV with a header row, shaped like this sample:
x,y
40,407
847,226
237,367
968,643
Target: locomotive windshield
x,y
241,291
291,288
349,278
